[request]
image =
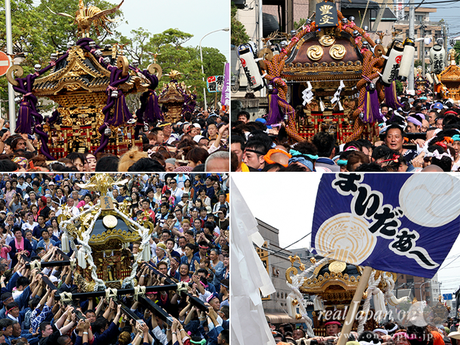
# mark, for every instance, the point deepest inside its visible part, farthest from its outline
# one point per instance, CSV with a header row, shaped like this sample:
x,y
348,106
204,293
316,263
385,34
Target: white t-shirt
x,y
26,226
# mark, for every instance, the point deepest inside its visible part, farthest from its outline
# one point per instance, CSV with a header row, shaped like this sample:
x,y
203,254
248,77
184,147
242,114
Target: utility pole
x,y
311,7
422,43
379,15
260,27
9,50
290,15
444,33
410,78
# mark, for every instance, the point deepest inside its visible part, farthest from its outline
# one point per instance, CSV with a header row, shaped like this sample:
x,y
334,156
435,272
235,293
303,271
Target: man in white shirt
x,y
30,224
176,192
22,184
71,206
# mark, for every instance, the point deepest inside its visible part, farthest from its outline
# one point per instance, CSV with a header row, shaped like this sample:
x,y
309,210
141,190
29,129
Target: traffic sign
x,y
5,63
447,296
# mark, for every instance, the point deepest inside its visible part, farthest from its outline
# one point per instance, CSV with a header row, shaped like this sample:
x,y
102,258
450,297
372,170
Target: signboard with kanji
x,y
106,203
326,14
215,83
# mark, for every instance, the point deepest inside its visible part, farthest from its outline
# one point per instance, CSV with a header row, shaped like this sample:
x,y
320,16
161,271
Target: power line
x,y
434,2
292,243
458,256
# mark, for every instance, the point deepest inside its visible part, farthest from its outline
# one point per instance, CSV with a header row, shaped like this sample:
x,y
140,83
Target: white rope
x,y
372,285
100,285
35,264
303,310
70,221
389,296
139,291
73,263
110,293
182,287
312,268
66,297
297,282
145,245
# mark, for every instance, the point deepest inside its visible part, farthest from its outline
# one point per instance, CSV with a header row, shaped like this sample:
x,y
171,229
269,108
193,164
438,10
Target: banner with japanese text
x,y
404,223
225,99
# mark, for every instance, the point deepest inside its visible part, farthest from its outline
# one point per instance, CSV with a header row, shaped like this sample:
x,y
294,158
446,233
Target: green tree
x,y
37,32
399,87
238,34
298,24
457,50
134,47
171,54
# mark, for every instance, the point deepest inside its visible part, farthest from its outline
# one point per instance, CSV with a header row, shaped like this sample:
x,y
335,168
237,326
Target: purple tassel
x,y
375,106
274,114
28,115
104,139
371,107
44,140
121,111
192,104
391,98
152,109
24,121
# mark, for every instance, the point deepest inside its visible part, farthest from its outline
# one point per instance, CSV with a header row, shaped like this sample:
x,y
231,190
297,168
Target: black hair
x,y
392,126
235,139
450,121
445,163
4,323
99,324
294,167
191,246
244,113
107,163
419,335
381,152
62,339
324,142
42,325
369,167
8,165
224,334
306,147
147,164
22,281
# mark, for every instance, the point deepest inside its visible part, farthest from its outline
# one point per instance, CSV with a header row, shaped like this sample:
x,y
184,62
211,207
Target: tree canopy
x,y
37,33
170,53
239,34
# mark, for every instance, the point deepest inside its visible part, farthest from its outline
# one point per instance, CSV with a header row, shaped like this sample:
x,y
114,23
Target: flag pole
x,y
353,309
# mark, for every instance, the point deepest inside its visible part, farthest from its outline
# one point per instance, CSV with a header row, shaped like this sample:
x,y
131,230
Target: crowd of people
x,y
189,243
198,143
389,333
422,134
